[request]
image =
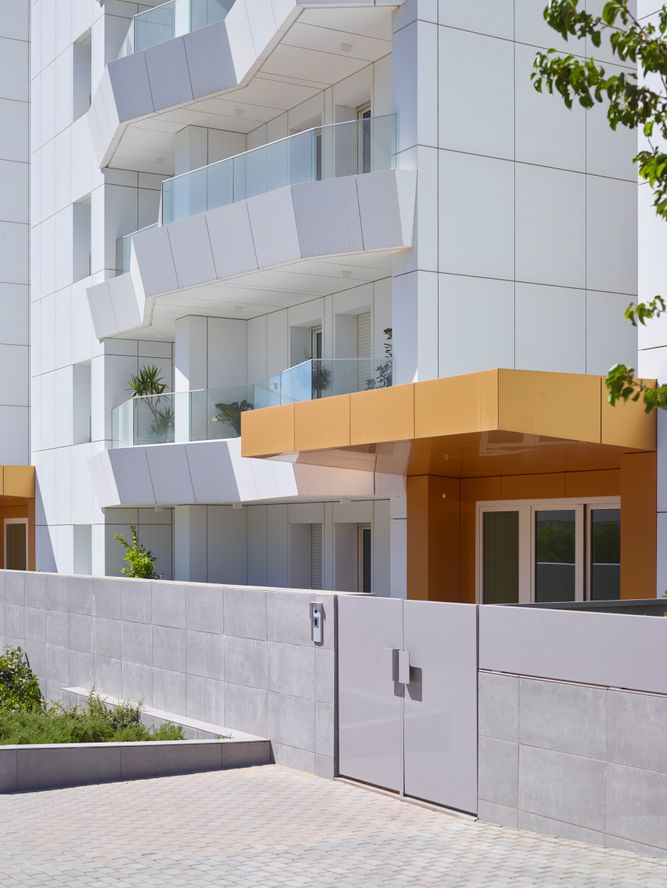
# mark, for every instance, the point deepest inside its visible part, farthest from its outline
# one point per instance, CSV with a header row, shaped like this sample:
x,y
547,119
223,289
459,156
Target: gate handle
x,y
398,664
404,667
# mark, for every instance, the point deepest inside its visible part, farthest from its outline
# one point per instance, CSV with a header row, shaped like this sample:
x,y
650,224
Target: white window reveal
x,y
548,551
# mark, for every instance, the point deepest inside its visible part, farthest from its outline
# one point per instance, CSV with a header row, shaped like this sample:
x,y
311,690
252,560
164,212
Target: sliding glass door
x,y
548,551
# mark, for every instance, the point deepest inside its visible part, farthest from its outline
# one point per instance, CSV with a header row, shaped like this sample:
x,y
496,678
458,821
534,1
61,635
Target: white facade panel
x,y
469,122
550,226
465,345
476,207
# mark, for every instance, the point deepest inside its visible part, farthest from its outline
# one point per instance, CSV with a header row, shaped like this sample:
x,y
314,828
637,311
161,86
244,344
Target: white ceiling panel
x,y
369,21
326,40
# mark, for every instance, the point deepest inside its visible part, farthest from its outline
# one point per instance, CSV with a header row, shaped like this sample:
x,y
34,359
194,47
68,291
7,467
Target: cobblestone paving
x,y
268,827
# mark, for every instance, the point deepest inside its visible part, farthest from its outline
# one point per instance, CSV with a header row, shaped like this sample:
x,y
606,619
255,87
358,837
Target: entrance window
x,y
605,554
500,561
555,555
549,551
16,543
365,558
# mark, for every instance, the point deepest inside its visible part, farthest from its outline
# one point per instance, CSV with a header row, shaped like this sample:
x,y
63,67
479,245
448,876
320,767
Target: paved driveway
x,y
275,827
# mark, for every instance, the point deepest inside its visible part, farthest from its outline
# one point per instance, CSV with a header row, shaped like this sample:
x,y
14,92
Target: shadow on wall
x,y
46,559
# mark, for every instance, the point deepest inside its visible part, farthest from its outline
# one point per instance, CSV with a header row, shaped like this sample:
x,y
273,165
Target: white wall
x,y
14,231
63,173
261,544
526,222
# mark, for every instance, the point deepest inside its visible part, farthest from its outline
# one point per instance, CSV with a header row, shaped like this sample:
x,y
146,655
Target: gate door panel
x,y
441,703
370,701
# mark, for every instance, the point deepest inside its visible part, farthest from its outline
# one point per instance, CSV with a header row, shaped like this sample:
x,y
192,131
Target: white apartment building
x,y
268,200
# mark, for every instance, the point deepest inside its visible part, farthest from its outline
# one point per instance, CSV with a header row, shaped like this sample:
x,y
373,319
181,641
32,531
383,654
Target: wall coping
x,y
29,768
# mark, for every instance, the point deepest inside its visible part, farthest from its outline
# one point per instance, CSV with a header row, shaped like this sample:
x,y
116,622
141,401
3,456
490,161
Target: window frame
x,y
527,508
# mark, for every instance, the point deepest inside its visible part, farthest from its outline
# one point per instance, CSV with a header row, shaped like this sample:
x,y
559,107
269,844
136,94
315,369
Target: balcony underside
x,y
261,254
214,472
262,60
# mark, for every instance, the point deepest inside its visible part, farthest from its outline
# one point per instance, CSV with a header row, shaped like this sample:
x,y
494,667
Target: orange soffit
x,y
532,405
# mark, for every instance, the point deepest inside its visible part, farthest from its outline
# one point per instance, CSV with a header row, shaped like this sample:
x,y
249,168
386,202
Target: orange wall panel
x,y
383,415
322,423
559,405
267,432
456,405
433,538
602,483
532,486
627,424
638,525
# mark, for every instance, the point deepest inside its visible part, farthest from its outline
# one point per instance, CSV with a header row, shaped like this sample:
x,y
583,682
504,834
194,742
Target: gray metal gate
x,y
407,697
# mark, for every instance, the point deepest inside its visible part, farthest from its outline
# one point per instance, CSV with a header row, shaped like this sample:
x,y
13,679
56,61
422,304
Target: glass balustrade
x,y
124,248
203,415
325,152
322,378
172,19
213,414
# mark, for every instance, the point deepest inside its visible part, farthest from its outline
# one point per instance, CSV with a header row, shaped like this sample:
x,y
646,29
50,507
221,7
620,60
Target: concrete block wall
x,y
239,657
578,761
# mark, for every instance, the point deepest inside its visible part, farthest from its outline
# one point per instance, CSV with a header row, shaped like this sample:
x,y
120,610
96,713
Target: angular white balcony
x,y
233,74
323,152
307,216
214,472
173,19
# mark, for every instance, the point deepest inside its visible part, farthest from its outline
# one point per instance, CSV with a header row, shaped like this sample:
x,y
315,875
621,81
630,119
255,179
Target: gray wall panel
x,y
162,643
612,650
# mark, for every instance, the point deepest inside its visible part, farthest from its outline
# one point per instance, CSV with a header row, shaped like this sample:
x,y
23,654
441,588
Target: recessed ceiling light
x,y
346,47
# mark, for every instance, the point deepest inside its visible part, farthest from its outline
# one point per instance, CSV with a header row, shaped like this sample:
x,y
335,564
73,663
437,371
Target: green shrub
x,y
19,687
140,562
93,722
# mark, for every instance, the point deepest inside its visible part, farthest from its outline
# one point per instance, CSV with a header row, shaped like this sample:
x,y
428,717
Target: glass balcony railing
x,y
213,414
123,249
202,415
322,378
172,19
325,152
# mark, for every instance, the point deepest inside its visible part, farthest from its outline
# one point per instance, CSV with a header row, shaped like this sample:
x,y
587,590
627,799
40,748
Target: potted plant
x,y
148,384
384,370
231,413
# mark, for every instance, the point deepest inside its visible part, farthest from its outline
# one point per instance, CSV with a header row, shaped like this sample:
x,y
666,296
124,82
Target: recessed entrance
x,y
16,543
548,551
